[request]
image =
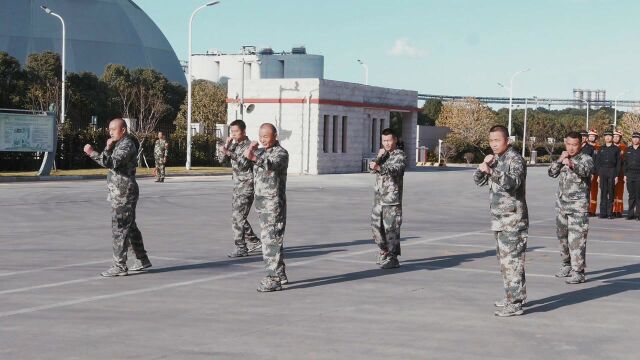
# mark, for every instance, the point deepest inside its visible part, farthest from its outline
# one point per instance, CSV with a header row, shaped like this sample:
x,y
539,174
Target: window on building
x,y
326,132
344,134
280,71
336,129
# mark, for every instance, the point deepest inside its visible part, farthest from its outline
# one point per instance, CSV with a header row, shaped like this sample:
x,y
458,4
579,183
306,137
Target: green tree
x,y
11,79
87,96
430,112
469,121
43,73
209,107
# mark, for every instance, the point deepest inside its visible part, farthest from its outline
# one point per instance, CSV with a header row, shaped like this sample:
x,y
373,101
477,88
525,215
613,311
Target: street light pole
x,y
189,80
615,110
64,51
524,131
366,71
511,94
587,102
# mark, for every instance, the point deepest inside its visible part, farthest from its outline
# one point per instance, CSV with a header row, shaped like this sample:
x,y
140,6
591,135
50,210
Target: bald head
x,y
268,135
117,128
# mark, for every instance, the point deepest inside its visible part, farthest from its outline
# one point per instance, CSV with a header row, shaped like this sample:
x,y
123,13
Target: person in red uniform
x,y
618,202
593,147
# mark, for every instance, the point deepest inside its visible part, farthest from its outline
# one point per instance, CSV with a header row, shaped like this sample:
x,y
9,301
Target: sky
x,y
453,47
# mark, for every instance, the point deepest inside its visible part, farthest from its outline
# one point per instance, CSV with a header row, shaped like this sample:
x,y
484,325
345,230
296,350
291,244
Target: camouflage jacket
x,y
270,172
388,187
161,150
575,184
241,167
121,161
507,185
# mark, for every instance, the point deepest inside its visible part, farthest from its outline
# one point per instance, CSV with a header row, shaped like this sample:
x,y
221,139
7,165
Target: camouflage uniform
x,y
386,216
270,178
242,193
572,205
509,219
160,153
123,194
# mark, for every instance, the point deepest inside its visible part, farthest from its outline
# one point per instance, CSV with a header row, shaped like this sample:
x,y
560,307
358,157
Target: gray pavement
x,y
198,304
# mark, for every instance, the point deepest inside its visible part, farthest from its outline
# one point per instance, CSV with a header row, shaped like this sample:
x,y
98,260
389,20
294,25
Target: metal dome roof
x,y
99,32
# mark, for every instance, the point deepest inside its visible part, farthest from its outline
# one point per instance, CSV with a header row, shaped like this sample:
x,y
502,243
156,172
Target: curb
x,y
9,179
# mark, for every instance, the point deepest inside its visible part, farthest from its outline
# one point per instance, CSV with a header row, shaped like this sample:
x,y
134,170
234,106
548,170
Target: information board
x,y
27,132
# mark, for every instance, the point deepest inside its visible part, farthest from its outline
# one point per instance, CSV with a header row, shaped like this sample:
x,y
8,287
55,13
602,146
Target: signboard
x,y
21,132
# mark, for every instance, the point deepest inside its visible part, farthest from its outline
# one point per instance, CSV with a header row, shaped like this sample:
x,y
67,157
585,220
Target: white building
x,y
327,126
263,64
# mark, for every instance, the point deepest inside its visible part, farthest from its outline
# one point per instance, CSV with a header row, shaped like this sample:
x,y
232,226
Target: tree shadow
x,y
432,263
610,287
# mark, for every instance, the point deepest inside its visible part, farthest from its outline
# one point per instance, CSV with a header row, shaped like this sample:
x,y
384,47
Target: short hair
x,y
124,123
160,132
270,125
500,128
389,131
573,135
239,123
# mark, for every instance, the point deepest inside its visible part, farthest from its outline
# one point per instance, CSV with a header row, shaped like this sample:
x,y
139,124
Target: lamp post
x,y
366,71
615,110
587,123
189,80
64,51
511,94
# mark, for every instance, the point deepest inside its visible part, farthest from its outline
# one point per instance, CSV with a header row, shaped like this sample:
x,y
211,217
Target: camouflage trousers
x,y
511,247
572,232
160,169
272,213
125,234
242,231
385,224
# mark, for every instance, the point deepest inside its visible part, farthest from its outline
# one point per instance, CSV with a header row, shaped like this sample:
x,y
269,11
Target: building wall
x,y
310,115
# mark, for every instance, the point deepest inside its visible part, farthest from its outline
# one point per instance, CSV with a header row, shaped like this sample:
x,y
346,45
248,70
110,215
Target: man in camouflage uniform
x,y
160,153
120,156
270,165
572,204
386,216
505,172
232,150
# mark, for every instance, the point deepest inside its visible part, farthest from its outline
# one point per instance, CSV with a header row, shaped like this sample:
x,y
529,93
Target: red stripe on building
x,y
327,102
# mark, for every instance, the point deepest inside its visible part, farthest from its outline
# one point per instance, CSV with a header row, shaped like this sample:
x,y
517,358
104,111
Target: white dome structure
x,y
99,32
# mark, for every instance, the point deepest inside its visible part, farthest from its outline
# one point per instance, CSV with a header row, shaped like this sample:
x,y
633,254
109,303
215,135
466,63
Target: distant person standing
x,y
618,202
386,216
505,172
591,148
608,168
160,153
632,176
120,156
572,205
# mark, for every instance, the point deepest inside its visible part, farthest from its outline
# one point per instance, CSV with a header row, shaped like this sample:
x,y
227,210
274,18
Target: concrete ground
x,y
198,304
